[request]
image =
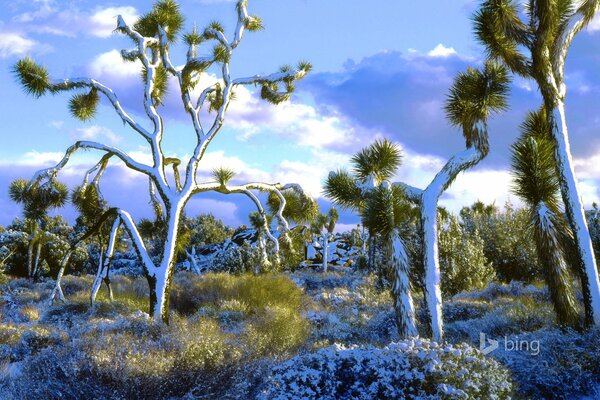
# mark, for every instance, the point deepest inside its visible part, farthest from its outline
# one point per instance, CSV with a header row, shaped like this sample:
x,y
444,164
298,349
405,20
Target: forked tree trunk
x,y
576,215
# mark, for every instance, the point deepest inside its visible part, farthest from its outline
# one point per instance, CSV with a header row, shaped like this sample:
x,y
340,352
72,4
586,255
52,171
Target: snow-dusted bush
x,y
408,369
462,259
568,364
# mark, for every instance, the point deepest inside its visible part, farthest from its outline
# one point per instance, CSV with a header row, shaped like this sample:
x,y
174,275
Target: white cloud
x,y
14,44
103,21
112,66
97,133
442,51
100,22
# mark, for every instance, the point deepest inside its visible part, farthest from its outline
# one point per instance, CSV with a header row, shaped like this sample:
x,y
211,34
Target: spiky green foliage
x,y
536,182
221,54
83,106
32,76
299,208
165,13
474,95
254,23
499,28
257,221
223,175
380,160
88,201
386,208
192,69
332,219
341,188
193,38
38,199
161,82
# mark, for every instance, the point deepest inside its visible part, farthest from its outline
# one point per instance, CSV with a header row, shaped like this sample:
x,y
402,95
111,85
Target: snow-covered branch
x,y
130,162
77,83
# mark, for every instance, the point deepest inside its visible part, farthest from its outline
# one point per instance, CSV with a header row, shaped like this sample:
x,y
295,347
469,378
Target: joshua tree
x,y
37,200
257,221
536,47
536,183
382,209
153,35
474,95
323,227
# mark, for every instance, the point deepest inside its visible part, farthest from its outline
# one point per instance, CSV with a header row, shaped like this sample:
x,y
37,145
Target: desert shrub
x,y
237,259
567,366
408,369
507,241
257,292
462,259
278,330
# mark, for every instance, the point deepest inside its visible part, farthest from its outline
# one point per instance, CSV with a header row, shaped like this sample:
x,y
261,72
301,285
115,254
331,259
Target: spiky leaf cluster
x,y
223,175
299,208
386,208
32,76
533,163
253,23
37,198
332,219
165,13
191,70
274,93
257,221
83,106
221,54
88,201
341,188
380,161
475,94
161,82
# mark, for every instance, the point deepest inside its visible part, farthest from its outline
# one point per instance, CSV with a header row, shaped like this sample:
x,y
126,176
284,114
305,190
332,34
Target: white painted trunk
x,y
325,244
575,211
403,303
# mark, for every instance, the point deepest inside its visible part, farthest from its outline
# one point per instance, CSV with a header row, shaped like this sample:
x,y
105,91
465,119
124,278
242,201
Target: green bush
x,y
277,331
463,263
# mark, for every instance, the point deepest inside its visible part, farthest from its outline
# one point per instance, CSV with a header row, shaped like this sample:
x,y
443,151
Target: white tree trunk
x,y
36,263
429,201
160,278
98,278
575,211
192,260
403,303
325,244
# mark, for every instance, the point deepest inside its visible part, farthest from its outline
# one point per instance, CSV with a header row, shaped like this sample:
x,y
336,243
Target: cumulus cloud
x,y
15,44
442,51
97,133
53,18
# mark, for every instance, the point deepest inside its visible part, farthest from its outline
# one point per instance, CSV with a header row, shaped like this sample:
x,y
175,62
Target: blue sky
x,y
381,69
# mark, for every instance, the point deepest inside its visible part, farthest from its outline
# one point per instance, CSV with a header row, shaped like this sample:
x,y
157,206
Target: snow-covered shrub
x,y
462,259
237,259
408,369
567,366
277,330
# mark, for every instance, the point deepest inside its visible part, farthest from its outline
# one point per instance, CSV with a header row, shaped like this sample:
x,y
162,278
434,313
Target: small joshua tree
x,y
323,227
474,95
37,200
534,168
383,209
532,39
152,36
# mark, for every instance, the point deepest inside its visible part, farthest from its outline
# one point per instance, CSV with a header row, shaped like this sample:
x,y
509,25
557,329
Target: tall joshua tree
x,y
37,201
153,36
534,168
323,227
536,46
474,95
382,209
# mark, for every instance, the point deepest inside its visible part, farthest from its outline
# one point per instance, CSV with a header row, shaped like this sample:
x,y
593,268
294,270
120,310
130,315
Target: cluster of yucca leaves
x,y
535,181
